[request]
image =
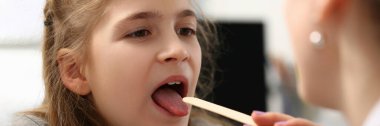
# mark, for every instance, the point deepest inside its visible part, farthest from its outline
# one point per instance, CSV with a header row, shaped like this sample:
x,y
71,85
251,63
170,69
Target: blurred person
x,y
337,50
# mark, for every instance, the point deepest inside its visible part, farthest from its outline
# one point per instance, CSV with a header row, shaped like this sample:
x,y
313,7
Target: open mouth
x,y
169,97
177,86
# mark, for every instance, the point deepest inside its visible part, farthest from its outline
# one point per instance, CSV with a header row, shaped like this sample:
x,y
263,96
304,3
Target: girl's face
x,y
139,46
317,67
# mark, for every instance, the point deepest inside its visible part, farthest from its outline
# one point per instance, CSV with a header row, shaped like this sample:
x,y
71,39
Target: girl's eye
x,y
139,34
186,32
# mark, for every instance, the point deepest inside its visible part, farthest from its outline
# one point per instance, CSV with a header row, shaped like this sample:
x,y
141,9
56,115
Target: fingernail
x,y
258,113
282,123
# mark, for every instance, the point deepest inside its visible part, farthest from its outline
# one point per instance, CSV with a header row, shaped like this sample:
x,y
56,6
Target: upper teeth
x,y
173,83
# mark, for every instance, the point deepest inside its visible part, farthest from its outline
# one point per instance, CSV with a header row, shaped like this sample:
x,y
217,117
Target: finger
x,y
269,118
300,122
295,122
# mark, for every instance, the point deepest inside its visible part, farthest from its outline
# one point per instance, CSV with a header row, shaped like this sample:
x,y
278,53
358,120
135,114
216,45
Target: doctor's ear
x,y
70,69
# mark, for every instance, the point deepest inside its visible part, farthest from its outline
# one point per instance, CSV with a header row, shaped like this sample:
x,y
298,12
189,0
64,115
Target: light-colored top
x,y
373,118
28,120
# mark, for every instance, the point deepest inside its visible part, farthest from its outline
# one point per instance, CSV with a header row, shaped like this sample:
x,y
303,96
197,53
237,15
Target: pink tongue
x,y
171,101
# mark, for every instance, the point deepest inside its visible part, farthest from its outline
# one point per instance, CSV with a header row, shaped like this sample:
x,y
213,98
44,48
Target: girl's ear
x,y
326,9
70,72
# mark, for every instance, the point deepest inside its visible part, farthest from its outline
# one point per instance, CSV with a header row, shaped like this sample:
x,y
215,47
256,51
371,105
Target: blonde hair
x,y
68,24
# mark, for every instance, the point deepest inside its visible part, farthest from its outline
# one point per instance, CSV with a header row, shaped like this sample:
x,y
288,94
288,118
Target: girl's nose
x,y
175,51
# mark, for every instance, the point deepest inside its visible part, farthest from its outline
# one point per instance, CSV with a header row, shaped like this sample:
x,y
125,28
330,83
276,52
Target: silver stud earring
x,y
317,39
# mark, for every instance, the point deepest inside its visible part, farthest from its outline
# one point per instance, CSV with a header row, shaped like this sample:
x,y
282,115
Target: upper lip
x,y
176,78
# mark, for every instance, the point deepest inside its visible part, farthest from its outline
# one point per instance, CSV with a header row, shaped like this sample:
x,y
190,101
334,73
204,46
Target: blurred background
x,y
256,63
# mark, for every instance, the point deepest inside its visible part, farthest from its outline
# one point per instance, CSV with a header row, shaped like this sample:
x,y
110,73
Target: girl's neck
x,y
360,58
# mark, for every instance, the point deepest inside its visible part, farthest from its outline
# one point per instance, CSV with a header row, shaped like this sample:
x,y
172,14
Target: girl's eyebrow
x,y
186,13
144,15
157,14
154,14
151,15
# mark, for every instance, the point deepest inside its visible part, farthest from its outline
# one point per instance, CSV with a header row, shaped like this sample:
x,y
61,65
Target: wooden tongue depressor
x,y
229,113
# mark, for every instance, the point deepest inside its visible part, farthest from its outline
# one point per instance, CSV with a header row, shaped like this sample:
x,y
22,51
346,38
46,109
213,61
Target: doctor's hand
x,y
278,119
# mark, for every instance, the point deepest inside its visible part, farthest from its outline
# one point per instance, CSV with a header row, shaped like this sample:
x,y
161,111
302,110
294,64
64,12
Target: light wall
x,y
20,57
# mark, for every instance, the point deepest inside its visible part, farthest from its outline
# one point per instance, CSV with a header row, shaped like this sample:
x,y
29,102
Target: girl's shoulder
x,y
28,120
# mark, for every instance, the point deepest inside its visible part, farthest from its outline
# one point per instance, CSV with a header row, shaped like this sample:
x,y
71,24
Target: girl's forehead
x,y
135,9
144,5
122,14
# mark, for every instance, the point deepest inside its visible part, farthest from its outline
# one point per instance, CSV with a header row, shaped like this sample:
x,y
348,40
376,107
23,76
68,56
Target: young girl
x,y
122,62
337,50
